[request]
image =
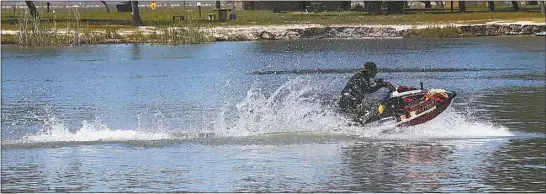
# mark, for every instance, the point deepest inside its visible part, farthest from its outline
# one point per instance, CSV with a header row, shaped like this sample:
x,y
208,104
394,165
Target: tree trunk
x,y
491,5
515,6
542,8
48,4
427,4
217,4
394,7
462,7
33,10
374,7
440,4
135,14
105,5
451,2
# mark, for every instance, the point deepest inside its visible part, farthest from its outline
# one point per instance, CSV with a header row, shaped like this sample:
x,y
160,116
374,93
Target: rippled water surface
x,y
261,117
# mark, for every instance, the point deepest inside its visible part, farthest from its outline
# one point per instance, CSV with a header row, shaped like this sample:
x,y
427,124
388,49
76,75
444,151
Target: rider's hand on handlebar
x,y
390,86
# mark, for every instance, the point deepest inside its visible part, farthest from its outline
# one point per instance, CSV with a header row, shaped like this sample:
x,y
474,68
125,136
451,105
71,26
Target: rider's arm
x,y
380,84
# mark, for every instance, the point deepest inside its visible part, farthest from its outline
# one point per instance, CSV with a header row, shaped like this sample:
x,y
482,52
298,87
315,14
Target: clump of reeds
x,y
184,32
112,33
178,32
32,32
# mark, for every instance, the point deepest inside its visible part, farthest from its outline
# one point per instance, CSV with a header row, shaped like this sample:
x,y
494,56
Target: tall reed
x,y
187,31
33,32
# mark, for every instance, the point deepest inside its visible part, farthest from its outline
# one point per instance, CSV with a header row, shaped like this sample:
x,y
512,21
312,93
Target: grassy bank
x,y
98,18
95,25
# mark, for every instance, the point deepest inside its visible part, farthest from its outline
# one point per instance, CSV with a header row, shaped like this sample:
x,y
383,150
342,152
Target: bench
x,y
212,16
179,17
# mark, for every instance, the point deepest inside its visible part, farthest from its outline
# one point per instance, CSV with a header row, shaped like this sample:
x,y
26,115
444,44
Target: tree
x,y
135,14
542,8
515,6
440,4
373,7
427,4
462,7
33,10
105,5
394,7
532,2
491,5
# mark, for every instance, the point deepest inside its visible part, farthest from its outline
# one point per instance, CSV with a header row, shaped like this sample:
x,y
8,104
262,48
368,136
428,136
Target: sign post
x,y
199,9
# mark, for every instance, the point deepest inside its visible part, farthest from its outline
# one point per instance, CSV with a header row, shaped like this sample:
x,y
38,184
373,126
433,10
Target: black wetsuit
x,y
358,86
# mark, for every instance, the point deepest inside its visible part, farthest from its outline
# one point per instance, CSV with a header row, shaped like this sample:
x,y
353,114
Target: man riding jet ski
x,y
362,83
405,106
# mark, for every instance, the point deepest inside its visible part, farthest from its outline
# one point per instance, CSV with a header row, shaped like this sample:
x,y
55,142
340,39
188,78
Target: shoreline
x,y
317,31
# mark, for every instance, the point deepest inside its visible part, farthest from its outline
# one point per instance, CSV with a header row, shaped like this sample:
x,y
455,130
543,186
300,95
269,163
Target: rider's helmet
x,y
370,69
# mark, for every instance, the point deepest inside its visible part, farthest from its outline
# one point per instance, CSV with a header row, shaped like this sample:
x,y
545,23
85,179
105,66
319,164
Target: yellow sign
x,y
152,5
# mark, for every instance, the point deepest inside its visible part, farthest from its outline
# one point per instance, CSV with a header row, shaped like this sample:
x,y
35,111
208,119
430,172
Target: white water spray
x,y
298,105
55,131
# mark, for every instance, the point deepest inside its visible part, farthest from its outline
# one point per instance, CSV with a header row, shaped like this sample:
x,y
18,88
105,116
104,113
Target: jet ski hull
x,y
428,114
413,107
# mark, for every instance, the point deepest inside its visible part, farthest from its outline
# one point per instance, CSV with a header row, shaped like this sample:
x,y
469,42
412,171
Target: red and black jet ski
x,y
411,106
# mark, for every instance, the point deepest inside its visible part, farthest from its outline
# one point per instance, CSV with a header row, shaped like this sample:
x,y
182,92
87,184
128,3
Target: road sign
x,y
152,5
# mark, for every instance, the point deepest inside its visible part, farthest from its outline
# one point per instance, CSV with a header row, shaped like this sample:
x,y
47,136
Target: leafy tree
x,y
394,7
515,5
373,7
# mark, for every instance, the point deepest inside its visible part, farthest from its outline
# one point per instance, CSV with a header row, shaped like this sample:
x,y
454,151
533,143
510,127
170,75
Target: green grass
x,y
99,19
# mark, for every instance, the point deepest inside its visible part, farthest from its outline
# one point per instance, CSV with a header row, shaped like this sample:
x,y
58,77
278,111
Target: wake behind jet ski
x,y
403,106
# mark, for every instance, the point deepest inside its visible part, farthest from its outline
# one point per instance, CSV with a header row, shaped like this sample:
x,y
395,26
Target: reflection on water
x,y
451,166
519,166
523,109
363,165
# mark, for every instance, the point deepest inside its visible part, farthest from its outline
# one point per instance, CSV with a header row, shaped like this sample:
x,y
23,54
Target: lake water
x,y
261,117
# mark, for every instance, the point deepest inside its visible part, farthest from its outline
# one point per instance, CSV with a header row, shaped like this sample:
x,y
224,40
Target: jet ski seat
x,y
401,89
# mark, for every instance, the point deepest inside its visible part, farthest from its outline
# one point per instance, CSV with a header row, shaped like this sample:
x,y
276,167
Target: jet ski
x,y
405,106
